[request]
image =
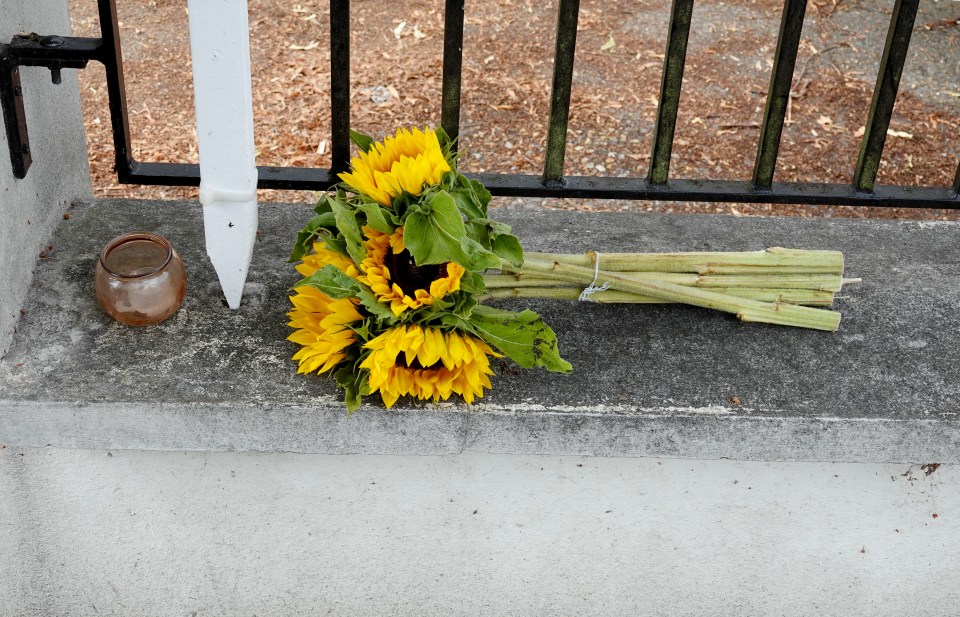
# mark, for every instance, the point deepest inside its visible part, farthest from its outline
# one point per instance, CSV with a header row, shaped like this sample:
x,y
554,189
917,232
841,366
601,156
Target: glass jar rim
x,y
131,237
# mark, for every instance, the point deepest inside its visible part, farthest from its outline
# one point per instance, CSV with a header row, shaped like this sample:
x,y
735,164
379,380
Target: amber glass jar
x,y
140,279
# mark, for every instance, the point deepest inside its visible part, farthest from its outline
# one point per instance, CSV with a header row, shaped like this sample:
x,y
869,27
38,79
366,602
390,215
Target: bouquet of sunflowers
x,y
393,264
401,254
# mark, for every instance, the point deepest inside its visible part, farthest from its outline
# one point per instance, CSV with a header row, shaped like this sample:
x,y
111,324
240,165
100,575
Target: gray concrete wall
x,y
157,534
30,208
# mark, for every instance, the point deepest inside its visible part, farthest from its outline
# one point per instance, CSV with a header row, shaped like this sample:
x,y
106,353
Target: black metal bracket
x,y
53,52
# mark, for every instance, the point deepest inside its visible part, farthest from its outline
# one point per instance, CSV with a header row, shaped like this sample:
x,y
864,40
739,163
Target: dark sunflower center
x,y
408,275
415,363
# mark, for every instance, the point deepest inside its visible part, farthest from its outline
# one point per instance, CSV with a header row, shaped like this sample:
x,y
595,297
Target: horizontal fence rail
x,y
74,52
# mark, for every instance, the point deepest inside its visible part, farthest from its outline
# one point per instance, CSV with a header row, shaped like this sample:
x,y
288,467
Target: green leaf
x,y
399,205
446,144
463,304
483,195
355,384
301,247
323,205
363,330
375,307
478,258
332,282
497,228
337,244
364,142
326,220
467,201
375,217
472,283
508,247
472,197
305,236
350,230
432,231
523,337
479,231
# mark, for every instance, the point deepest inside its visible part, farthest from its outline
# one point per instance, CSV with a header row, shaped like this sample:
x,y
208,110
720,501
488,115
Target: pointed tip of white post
x,y
232,286
231,230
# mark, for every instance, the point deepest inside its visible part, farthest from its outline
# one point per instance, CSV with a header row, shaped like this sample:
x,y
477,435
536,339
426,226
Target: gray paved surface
x,y
648,380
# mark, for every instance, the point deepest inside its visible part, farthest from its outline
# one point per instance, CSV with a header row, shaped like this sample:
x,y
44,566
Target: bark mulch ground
x,y
396,76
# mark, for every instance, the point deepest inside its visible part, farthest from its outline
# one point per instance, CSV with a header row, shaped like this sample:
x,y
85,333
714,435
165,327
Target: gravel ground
x,y
395,74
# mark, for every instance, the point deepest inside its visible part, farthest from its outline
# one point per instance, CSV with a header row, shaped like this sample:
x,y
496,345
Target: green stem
x,y
743,308
821,282
806,297
497,281
785,261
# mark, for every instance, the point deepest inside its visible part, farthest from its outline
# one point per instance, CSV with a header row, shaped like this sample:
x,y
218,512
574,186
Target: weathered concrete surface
x,y
170,534
31,207
648,380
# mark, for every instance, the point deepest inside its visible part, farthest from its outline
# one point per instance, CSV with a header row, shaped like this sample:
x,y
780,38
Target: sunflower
x,y
322,256
427,363
406,162
391,273
322,328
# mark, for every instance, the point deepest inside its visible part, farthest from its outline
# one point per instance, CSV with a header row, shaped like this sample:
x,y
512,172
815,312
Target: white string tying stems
x,y
592,287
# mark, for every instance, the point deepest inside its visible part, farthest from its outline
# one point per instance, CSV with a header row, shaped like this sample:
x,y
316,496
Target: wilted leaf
x,y
523,337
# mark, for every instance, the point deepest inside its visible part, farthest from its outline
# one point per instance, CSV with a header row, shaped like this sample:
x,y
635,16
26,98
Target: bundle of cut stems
x,y
777,285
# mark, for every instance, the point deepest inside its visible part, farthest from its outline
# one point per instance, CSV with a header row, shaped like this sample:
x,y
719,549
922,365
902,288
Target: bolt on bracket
x,y
31,49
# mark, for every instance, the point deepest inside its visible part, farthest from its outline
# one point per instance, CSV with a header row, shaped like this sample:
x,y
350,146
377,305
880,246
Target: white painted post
x,y
220,46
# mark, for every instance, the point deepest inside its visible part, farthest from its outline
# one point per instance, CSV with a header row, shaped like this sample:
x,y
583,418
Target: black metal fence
x,y
56,53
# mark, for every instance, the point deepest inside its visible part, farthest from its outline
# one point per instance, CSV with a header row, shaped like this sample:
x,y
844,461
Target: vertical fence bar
x,y
340,85
680,15
452,68
567,17
778,95
885,93
956,181
112,60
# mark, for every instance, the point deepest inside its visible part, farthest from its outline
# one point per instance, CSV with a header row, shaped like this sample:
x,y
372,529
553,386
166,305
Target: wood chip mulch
x,y
507,68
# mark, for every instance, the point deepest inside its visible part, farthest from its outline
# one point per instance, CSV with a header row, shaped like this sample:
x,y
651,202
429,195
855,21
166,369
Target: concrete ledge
x,y
648,381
